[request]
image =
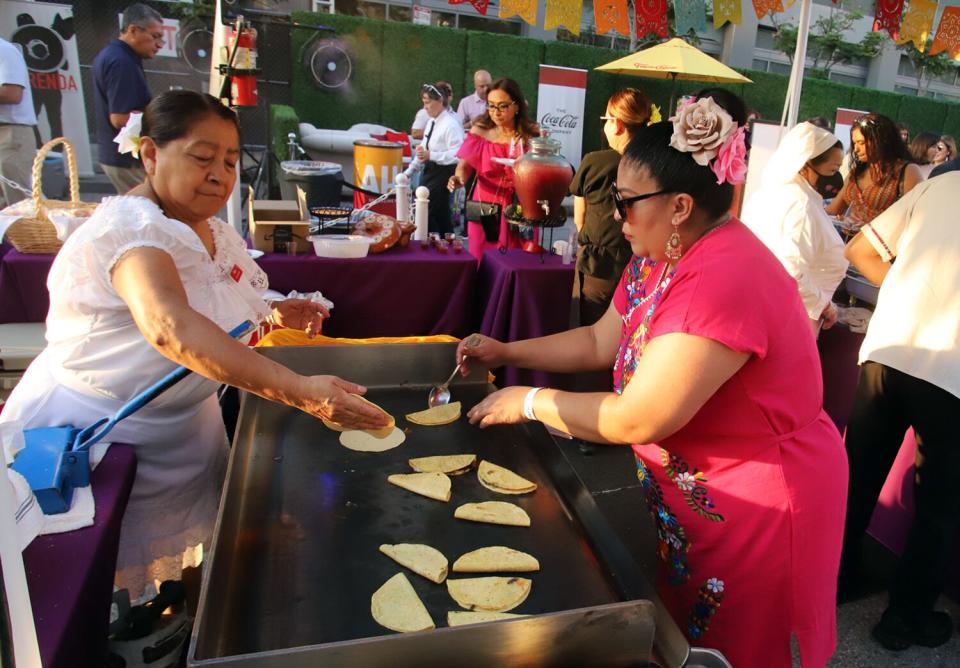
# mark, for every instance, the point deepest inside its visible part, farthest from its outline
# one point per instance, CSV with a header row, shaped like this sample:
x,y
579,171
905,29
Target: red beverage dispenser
x,y
541,178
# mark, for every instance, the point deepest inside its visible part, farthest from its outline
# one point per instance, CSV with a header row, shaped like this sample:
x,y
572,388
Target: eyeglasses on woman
x,y
502,107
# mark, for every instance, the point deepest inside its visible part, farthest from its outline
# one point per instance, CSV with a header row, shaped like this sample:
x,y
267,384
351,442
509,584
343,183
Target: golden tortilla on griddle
x,y
492,594
431,485
449,464
460,617
498,479
436,416
496,559
493,512
364,441
397,607
423,560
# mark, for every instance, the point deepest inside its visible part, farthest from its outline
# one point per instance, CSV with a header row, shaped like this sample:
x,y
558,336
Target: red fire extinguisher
x,y
243,67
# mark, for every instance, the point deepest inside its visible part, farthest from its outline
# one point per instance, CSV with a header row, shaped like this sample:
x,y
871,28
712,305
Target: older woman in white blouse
x,y
787,214
153,280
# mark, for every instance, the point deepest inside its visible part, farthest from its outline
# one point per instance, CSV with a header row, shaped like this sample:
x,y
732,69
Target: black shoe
x,y
896,633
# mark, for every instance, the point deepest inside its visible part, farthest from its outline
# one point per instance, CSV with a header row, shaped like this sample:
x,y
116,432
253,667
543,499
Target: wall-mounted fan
x,y
196,46
327,63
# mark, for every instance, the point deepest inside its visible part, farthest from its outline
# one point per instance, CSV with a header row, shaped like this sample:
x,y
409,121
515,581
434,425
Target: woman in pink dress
x,y
718,390
498,135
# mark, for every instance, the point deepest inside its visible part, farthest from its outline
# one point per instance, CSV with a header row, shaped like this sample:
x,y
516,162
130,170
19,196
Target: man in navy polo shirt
x,y
120,87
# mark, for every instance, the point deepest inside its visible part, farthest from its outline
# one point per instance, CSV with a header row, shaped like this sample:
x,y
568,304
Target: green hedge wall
x,y
283,120
392,60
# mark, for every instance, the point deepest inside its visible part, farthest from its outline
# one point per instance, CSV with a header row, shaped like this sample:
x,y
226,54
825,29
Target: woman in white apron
x,y
151,281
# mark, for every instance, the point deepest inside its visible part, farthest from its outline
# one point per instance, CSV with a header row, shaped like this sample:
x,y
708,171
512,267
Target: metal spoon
x,y
440,394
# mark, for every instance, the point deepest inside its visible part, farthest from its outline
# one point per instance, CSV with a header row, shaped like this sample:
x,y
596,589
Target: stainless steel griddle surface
x,y
296,554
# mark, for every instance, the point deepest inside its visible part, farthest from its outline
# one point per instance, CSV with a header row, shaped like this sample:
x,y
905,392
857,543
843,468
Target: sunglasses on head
x,y
432,91
621,202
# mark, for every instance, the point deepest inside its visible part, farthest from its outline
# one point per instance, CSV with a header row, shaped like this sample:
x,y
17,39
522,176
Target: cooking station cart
x,y
295,555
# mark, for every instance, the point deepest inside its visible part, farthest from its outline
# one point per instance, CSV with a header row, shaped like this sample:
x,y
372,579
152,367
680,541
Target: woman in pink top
x,y
501,133
718,389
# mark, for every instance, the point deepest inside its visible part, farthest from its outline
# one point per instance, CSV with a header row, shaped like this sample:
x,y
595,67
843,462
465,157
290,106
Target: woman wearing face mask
x,y
437,153
603,250
787,215
882,173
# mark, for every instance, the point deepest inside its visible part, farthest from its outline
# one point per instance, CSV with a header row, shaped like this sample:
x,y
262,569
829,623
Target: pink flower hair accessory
x,y
730,165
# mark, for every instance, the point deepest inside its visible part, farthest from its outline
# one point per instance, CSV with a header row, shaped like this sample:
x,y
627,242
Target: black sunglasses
x,y
622,202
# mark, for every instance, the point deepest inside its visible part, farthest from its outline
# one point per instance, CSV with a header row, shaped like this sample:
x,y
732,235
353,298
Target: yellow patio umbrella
x,y
674,59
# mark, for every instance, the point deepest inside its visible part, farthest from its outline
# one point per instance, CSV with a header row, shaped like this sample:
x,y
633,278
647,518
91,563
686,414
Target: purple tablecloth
x,y
403,292
23,287
521,298
70,575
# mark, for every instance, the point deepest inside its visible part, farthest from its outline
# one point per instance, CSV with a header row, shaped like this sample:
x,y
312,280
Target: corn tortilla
x,y
397,607
449,464
496,559
493,512
492,594
436,416
431,485
421,559
502,480
461,617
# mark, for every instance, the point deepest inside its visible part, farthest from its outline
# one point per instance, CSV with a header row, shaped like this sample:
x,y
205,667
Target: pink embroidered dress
x,y
749,496
494,184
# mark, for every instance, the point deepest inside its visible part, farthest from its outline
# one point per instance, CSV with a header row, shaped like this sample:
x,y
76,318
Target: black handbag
x,y
485,213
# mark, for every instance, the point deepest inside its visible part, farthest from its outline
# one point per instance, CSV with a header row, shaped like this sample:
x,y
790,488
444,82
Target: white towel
x,y
81,511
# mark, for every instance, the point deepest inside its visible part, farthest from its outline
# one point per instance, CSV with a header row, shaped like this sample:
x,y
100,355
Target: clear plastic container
x,y
340,245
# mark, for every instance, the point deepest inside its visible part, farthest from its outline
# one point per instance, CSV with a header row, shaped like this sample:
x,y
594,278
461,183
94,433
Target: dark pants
x,y
887,403
435,179
595,297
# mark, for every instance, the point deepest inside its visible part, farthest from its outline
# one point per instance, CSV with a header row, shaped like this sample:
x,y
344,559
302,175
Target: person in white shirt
x,y
910,377
17,122
442,138
787,214
475,104
422,118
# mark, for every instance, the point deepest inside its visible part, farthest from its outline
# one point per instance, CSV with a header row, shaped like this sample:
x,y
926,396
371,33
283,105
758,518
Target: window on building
x,y
765,38
399,13
906,68
852,80
906,90
370,10
469,22
779,68
443,19
759,64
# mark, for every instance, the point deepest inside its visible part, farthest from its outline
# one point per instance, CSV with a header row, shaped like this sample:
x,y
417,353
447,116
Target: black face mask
x,y
828,186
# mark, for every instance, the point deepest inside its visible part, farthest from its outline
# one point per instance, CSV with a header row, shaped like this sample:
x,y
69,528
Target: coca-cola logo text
x,y
559,120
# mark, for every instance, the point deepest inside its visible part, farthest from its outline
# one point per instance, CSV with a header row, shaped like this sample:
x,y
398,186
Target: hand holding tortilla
x,y
421,559
449,464
501,480
496,559
381,429
493,512
493,594
436,416
397,607
431,485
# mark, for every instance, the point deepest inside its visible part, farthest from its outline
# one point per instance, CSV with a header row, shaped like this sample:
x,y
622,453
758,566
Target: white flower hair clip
x,y
128,139
705,130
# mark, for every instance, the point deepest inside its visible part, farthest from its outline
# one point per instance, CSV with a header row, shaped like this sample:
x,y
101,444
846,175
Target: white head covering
x,y
804,142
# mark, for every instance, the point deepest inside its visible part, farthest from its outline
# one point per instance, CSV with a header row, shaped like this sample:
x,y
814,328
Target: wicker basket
x,y
34,233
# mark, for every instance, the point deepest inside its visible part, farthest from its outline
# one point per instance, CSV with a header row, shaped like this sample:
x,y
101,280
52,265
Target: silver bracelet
x,y
528,403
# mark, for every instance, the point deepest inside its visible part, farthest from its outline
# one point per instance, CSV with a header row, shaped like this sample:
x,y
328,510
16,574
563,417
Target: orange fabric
x,y
611,15
295,337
